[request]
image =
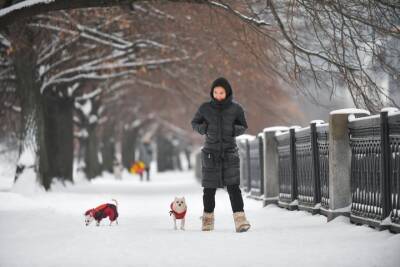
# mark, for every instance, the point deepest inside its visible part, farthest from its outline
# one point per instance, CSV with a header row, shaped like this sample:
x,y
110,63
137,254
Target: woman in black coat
x,y
221,120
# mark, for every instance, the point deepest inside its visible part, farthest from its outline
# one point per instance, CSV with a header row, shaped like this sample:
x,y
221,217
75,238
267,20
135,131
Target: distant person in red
x,y
146,156
221,119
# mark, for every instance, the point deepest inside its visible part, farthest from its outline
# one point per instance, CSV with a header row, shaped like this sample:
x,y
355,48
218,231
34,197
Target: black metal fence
x,y
303,169
323,163
312,166
287,168
375,169
244,153
252,168
256,166
366,178
394,169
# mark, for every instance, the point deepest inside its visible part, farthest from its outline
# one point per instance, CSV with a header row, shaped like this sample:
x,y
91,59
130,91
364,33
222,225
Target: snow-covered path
x,y
47,229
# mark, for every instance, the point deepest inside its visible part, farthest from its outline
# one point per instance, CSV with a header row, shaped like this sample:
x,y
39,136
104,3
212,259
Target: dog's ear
x,y
176,198
183,198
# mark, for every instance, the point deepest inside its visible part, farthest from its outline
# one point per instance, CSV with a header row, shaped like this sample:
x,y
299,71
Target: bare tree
x,y
49,76
333,44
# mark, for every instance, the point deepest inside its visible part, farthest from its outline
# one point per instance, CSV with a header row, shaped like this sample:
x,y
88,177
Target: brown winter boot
x,y
207,221
241,223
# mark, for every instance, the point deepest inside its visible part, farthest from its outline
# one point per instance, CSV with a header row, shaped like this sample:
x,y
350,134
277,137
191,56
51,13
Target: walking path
x,y
47,229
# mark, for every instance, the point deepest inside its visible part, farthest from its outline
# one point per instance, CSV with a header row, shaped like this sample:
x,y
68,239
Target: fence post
x,y
270,163
385,165
261,142
315,162
293,163
340,162
248,166
242,154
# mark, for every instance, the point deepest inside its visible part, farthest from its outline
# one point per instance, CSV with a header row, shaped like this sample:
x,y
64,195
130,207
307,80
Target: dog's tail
x,y
115,201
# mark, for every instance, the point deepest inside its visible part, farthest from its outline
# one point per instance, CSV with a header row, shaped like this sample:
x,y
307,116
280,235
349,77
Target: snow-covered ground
x,y
47,229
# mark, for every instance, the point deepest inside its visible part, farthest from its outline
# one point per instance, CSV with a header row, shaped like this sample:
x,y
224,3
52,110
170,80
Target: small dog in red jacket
x,y
101,212
178,211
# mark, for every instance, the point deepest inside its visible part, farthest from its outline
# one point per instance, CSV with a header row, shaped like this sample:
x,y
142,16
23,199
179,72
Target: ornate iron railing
x,y
256,166
287,167
305,171
375,169
394,169
312,165
303,168
323,158
244,164
365,143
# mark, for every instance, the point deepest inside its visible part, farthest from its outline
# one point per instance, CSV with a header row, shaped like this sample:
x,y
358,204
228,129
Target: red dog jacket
x,y
178,215
104,211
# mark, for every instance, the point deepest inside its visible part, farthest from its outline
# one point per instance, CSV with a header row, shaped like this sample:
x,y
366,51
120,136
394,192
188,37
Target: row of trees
x,y
70,80
82,85
72,76
329,44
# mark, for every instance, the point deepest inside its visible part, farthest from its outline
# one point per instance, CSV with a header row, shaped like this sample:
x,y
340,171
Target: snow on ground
x,y
8,162
47,229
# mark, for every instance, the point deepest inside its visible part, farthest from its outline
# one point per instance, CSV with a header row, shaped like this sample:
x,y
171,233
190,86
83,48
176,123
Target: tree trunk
x,y
58,137
108,149
128,147
187,155
177,163
165,152
92,164
44,156
29,95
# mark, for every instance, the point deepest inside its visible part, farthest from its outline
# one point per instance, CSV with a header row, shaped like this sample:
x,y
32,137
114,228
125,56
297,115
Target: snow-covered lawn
x,y
47,229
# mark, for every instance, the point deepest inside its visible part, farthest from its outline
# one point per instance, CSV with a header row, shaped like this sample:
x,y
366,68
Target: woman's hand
x,y
238,129
199,123
203,128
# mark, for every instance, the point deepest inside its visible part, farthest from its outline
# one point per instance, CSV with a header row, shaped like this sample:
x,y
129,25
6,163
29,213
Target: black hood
x,y
229,94
221,81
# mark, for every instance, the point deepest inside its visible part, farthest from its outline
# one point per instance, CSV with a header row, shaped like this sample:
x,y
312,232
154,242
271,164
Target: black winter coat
x,y
221,122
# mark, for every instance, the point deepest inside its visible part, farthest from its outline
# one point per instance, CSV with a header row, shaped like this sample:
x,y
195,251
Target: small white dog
x,y
178,211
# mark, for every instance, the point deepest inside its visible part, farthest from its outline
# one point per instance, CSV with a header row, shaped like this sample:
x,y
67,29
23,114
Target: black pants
x,y
235,195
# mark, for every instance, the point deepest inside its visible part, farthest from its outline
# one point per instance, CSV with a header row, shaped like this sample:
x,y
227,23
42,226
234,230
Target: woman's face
x,y
219,93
